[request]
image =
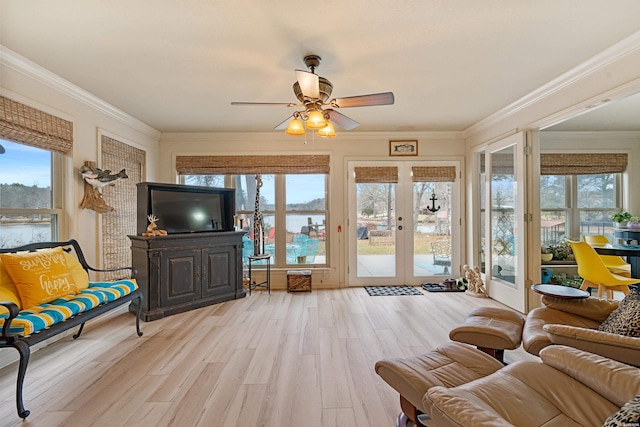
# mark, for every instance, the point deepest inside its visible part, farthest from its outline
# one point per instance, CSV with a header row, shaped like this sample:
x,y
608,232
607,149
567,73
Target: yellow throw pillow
x,y
8,291
40,277
80,276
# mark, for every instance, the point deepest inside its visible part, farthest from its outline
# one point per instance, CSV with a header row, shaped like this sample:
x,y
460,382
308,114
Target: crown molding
x,y
275,136
30,69
616,52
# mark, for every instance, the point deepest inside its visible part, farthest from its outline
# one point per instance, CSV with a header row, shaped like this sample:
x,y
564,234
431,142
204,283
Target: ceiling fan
x,y
319,112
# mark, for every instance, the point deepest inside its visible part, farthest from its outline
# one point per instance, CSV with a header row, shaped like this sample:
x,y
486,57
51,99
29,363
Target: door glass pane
x,y
432,230
503,219
482,202
376,247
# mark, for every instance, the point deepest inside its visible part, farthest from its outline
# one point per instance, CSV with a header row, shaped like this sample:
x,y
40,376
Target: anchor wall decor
x,y
433,208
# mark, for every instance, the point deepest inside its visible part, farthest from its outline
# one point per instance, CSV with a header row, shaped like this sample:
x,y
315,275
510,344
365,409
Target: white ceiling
x,y
619,115
177,65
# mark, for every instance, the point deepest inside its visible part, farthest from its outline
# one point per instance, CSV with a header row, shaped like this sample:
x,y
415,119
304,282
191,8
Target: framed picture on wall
x,y
403,148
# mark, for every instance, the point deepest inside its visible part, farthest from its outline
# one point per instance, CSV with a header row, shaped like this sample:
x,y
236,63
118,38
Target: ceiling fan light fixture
x,y
316,120
328,131
296,128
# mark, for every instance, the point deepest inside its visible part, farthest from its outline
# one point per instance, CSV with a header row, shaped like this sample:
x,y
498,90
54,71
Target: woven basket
x,y
299,281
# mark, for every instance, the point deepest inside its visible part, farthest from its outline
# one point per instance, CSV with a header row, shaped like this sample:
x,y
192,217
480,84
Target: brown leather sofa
x,y
575,323
567,387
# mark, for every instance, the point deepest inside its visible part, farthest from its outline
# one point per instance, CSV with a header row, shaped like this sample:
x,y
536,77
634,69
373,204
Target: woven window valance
x,y
116,148
582,163
376,174
502,164
248,165
433,173
29,126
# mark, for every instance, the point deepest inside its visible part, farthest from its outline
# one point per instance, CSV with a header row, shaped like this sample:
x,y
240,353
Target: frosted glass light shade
x,y
328,131
316,120
296,128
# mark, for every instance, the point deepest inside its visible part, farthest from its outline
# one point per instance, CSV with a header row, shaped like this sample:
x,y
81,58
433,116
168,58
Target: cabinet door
x,y
219,271
180,276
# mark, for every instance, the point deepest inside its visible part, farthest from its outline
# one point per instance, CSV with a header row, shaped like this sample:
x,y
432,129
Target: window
x,y
294,210
33,143
578,194
29,203
575,205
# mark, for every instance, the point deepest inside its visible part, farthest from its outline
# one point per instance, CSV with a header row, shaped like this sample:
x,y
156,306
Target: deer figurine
x,y
151,228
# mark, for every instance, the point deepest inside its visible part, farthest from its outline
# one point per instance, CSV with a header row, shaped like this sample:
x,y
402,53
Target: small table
x,y
267,283
559,291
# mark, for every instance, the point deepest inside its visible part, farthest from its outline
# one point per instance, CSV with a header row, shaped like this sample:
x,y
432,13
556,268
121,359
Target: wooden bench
x,y
105,295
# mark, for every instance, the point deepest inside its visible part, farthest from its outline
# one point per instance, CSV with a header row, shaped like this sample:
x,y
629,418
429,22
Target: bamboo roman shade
x,y
376,174
116,225
433,173
582,163
502,164
249,165
29,126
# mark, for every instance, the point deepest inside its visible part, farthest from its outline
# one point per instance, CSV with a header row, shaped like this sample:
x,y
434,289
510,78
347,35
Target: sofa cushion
x,y
591,308
114,290
39,277
535,338
449,365
628,415
35,319
625,320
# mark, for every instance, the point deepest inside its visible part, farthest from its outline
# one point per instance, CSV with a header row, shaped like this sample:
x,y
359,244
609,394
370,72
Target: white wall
x,y
346,146
26,82
612,74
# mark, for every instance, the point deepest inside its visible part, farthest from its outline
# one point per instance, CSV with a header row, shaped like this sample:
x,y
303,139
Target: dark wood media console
x,y
181,272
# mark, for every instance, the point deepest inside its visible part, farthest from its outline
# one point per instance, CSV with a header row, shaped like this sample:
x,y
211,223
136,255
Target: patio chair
x,y
441,250
310,250
300,239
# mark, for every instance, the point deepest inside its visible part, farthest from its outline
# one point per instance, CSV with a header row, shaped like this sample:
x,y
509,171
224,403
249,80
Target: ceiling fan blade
x,y
309,84
284,125
267,104
341,120
385,98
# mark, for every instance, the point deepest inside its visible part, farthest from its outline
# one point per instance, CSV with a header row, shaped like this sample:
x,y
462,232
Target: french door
x,y
504,243
404,221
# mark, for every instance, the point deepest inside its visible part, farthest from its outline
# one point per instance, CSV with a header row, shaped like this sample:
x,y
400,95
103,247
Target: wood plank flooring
x,y
279,360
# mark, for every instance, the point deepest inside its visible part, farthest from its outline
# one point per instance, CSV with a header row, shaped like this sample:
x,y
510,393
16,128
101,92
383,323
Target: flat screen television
x,y
185,208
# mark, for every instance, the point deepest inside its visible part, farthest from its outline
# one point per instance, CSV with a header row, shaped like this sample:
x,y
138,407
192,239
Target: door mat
x,y
436,287
376,291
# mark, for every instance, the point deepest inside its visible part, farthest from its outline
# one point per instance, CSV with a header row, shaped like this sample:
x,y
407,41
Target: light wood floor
x,y
303,359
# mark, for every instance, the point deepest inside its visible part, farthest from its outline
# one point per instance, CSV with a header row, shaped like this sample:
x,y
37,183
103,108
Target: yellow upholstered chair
x,y
614,263
594,273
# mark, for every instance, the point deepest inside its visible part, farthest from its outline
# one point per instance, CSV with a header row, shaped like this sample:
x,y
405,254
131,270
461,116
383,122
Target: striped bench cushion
x,y
37,318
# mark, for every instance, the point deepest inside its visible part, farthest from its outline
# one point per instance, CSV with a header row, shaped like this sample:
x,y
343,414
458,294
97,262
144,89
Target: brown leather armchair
x,y
567,387
575,323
